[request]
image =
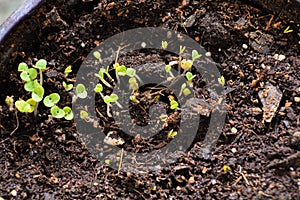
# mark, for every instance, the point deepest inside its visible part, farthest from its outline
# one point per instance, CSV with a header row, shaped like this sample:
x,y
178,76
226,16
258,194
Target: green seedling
x,y
133,99
163,117
68,70
120,70
189,76
97,55
100,75
168,69
288,30
83,114
184,90
181,49
23,106
132,74
221,80
81,91
51,100
113,98
133,85
67,87
226,168
173,104
195,55
164,44
68,113
99,89
57,112
172,134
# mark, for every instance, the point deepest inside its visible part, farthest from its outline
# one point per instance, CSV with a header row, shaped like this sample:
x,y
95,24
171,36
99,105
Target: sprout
x,y
32,104
221,80
67,87
181,49
98,88
164,44
83,114
184,90
168,70
37,93
113,98
57,112
133,85
97,55
163,117
133,99
22,106
195,55
22,67
41,64
189,76
173,104
186,64
100,74
81,91
51,99
132,73
172,134
68,113
68,70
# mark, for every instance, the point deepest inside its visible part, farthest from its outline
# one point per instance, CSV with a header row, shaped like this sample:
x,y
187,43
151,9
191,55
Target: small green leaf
x,y
37,93
25,76
22,106
67,87
57,112
121,70
221,80
32,73
22,67
51,99
114,97
29,86
81,91
98,88
168,68
181,49
186,91
101,73
68,70
163,117
174,104
97,55
41,64
195,55
189,76
131,72
172,134
68,113
83,114
164,44
133,99
32,104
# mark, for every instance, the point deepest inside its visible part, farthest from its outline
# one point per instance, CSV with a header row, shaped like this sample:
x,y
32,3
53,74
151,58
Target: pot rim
x,y
17,16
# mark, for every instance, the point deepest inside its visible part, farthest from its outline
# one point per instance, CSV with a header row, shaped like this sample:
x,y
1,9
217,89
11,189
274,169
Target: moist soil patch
x,y
42,158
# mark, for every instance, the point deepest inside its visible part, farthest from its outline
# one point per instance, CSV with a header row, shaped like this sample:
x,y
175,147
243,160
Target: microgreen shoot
x,y
172,134
81,91
100,74
83,114
113,98
173,104
68,70
67,87
164,44
221,80
51,100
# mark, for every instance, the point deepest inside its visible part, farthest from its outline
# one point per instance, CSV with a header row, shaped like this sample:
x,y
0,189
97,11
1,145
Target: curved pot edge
x,y
14,19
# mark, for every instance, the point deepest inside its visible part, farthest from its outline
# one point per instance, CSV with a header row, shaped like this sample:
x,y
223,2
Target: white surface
x,y
7,7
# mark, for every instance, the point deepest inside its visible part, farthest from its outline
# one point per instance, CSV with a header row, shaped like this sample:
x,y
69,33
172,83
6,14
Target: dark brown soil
x,y
44,159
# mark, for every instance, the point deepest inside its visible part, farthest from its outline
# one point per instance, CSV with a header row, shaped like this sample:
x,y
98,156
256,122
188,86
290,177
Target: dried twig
x,y
16,113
